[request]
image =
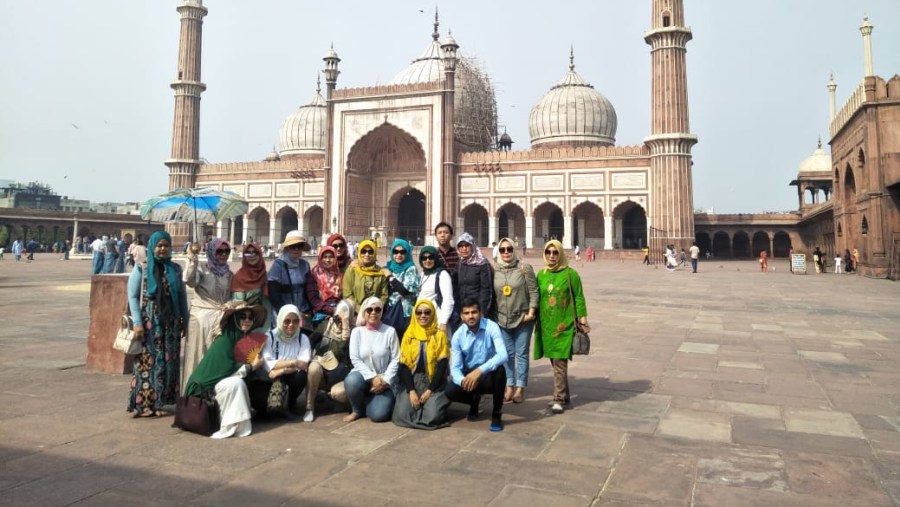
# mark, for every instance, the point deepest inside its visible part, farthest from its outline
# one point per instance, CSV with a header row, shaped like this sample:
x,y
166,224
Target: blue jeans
x,y
377,407
97,263
694,265
518,343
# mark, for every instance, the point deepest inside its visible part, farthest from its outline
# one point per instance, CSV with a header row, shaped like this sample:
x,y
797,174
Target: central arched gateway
x,y
407,217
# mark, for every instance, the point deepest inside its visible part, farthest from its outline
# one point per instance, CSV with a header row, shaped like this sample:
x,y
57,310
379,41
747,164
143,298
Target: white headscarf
x,y
280,333
369,302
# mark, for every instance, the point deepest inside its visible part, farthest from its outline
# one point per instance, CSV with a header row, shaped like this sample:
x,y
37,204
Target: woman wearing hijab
x,y
474,276
516,294
365,278
287,354
437,286
221,374
375,354
249,283
403,278
324,293
340,246
422,372
290,274
211,282
158,304
558,285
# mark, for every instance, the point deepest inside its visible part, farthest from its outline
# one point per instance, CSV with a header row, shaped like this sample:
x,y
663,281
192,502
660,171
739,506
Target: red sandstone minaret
x,y
671,218
185,158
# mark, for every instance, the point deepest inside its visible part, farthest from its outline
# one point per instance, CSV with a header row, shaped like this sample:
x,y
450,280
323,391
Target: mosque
x,y
393,160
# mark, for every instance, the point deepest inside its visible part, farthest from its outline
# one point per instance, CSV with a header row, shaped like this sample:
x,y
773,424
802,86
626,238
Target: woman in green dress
x,y
558,285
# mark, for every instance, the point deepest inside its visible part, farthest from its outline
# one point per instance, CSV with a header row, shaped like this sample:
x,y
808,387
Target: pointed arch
x,y
406,214
510,221
386,149
548,222
475,222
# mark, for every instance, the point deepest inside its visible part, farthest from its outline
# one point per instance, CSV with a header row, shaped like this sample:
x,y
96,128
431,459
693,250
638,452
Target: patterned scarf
x,y
512,262
328,279
400,268
212,262
475,258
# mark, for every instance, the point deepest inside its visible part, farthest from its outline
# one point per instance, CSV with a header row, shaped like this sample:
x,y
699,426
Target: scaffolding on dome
x,y
475,122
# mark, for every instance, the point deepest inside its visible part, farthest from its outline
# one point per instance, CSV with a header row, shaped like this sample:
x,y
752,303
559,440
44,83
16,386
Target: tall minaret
x,y
185,158
672,195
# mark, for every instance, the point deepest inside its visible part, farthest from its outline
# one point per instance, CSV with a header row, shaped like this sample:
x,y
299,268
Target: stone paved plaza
x,y
726,387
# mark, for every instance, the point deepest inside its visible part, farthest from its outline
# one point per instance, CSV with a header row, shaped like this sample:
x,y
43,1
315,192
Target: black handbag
x,y
197,414
393,316
581,341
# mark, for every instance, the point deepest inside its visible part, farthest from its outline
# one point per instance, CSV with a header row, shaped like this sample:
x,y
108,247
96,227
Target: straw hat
x,y
234,306
294,238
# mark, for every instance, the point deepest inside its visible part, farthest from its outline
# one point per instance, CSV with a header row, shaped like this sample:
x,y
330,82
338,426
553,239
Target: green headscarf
x,y
218,363
437,260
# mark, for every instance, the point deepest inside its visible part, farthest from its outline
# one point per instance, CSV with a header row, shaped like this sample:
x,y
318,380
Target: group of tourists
x,y
391,341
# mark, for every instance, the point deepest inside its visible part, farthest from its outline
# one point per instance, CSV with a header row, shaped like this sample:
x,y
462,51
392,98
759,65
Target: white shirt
x,y
276,350
97,245
375,352
426,291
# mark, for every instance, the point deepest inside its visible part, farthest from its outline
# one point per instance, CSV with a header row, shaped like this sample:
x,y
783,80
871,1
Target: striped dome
x,y
304,131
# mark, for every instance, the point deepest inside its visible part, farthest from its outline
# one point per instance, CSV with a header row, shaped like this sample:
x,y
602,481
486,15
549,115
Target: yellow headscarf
x,y
372,270
437,346
562,262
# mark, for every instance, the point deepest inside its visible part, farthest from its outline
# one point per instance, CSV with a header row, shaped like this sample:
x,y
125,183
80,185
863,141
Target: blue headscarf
x,y
399,268
168,266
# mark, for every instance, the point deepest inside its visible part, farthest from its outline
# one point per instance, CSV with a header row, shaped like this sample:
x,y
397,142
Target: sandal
x,y
508,395
519,397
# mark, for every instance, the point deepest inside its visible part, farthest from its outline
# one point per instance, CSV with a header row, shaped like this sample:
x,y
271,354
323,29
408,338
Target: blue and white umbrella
x,y
194,205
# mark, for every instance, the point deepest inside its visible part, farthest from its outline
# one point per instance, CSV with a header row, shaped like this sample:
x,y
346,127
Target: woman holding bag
x,y
559,285
159,322
222,375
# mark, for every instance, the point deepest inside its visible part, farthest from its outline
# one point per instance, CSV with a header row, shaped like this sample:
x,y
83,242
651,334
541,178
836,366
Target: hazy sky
x,y
87,108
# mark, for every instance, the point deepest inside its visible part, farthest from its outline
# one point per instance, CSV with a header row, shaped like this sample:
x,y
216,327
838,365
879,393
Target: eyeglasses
x,y
298,246
374,309
223,251
247,316
551,252
251,254
367,251
427,258
423,313
338,245
399,252
506,249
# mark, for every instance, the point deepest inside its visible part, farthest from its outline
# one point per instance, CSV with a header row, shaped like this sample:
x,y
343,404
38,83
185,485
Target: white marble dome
x,y
573,113
475,106
818,162
304,131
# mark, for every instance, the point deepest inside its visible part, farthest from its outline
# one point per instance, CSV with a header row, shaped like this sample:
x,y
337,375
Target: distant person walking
x,y
763,261
695,256
646,251
838,263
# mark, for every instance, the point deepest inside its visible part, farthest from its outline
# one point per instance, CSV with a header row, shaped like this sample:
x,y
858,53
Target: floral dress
x,y
556,321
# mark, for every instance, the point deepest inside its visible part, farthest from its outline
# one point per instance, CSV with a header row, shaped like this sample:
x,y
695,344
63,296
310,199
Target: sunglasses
x,y
367,251
373,310
551,252
338,245
298,246
427,258
247,316
506,249
223,251
423,313
398,251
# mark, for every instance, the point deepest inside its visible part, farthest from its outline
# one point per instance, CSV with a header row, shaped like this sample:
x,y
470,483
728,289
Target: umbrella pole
x,y
195,217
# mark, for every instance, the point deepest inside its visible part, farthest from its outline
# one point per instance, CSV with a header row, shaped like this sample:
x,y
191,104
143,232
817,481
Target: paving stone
x,y
823,423
740,364
852,481
699,348
744,468
710,426
652,471
764,432
517,496
707,495
767,327
728,407
824,357
568,446
684,387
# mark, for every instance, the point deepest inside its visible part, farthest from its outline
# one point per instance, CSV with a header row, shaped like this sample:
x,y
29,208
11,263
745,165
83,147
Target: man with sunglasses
x,y
289,275
477,363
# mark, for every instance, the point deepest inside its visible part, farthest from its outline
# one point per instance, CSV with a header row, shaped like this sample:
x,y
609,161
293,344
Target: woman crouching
x,y
287,353
424,362
222,375
375,354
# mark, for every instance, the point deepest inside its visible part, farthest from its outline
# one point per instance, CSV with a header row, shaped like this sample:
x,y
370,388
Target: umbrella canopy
x,y
196,205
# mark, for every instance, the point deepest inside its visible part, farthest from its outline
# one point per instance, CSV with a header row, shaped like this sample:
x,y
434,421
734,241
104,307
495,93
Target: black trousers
x,y
259,390
493,383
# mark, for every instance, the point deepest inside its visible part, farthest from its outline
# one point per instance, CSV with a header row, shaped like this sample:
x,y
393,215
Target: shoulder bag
x,y
197,414
581,341
126,340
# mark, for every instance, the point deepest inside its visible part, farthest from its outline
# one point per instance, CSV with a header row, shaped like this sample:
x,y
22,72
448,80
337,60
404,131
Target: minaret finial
x,y
820,141
318,84
436,34
571,57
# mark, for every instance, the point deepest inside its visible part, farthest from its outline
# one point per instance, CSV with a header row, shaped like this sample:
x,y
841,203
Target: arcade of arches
x,y
744,244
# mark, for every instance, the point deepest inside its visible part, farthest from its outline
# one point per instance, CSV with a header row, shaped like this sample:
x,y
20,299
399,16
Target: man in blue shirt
x,y
477,362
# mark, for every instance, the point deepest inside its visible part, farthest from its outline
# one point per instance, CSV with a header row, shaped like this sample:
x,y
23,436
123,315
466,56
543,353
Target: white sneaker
x,y
556,408
309,416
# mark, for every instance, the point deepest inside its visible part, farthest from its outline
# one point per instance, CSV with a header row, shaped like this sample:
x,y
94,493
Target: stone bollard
x,y
109,294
